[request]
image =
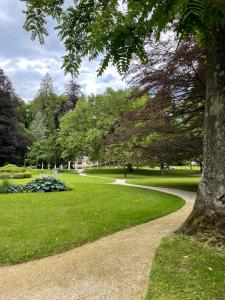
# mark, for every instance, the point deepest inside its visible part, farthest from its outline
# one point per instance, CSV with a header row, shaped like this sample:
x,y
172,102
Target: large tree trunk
x,y
207,220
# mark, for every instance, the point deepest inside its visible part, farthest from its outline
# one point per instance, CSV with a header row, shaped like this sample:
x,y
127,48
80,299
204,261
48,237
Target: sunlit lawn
x,y
176,179
34,225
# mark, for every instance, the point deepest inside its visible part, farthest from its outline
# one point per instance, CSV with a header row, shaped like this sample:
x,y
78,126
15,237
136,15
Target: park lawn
x,y
175,179
180,183
71,178
186,269
35,225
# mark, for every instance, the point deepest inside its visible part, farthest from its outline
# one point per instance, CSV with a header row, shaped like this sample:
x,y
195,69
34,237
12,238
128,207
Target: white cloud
x,y
25,61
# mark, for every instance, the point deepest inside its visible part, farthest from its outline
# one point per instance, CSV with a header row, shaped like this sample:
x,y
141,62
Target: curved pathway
x,y
115,267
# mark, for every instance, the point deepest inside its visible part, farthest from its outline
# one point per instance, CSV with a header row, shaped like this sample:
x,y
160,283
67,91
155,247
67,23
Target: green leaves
x,y
45,183
36,13
119,30
83,130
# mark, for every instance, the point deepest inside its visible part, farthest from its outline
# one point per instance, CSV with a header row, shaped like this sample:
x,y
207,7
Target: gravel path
x,y
115,267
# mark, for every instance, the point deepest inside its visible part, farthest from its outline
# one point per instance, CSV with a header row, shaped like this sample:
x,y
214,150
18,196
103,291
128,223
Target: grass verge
x,y
186,269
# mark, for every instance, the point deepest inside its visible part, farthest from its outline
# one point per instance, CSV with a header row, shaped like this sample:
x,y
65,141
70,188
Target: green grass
x,y
39,224
175,179
186,269
181,183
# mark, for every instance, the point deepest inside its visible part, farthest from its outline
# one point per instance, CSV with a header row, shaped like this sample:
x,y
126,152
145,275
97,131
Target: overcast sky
x,y
26,61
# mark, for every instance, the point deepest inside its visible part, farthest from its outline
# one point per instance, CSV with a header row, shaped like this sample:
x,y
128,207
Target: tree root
x,y
209,229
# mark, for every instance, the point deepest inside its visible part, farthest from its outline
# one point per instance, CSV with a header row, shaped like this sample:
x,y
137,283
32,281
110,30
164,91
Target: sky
x,y
26,62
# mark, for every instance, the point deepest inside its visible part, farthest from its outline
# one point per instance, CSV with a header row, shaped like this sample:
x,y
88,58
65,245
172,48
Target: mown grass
x,y
186,269
39,224
175,179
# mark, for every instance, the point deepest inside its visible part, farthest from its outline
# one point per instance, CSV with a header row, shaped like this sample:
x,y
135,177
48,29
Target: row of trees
x,y
158,120
28,131
45,112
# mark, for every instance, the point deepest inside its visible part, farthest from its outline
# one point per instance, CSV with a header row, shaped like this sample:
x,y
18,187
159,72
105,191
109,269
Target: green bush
x,y
5,176
20,176
27,175
46,183
17,189
11,169
5,186
15,176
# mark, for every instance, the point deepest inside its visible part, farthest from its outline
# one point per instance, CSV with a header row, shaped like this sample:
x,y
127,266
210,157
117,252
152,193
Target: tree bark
x,y
125,172
129,167
207,221
162,169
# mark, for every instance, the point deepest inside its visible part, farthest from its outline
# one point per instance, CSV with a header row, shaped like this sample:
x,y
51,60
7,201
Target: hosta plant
x,y
46,183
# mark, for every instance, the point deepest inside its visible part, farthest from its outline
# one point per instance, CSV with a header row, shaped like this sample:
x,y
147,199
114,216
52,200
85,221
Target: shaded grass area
x,y
35,225
186,269
175,179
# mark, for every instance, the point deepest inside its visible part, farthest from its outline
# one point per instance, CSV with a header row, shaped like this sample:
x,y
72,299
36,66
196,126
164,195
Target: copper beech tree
x,y
167,127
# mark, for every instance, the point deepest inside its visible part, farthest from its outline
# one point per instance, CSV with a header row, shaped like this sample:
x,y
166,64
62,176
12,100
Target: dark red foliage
x,y
73,93
173,80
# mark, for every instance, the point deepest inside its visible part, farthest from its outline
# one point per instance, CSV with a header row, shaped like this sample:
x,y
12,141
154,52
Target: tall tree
x,y
169,126
97,26
44,102
37,127
49,105
73,94
13,141
45,151
83,129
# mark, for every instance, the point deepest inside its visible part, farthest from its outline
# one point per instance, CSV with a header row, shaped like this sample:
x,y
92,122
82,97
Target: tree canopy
x,y
84,129
118,29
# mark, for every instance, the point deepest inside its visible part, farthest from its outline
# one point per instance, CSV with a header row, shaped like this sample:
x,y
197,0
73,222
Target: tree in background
x,y
45,151
168,128
37,127
125,155
46,110
44,102
83,130
13,139
26,115
73,94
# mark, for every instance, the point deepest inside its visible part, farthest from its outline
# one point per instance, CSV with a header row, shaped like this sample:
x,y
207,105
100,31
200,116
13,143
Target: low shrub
x,y
5,186
21,176
10,168
27,175
46,183
5,176
19,188
15,176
